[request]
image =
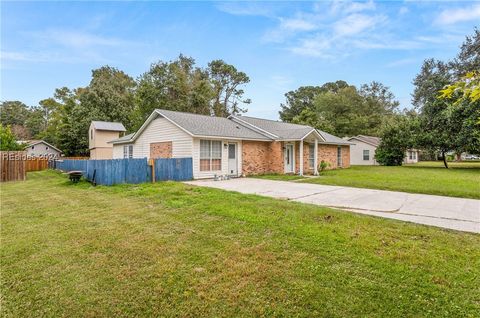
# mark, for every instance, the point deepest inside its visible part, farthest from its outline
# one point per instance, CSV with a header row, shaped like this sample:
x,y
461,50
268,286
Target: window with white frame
x,y
339,156
410,155
311,156
414,155
366,154
210,155
128,151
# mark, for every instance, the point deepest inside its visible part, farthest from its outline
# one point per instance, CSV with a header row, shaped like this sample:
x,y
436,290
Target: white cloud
x,y
76,39
341,6
386,44
452,16
49,56
341,28
297,24
18,56
246,8
314,47
356,23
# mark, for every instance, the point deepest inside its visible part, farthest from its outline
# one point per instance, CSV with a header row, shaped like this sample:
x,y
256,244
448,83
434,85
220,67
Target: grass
x,y
461,180
169,249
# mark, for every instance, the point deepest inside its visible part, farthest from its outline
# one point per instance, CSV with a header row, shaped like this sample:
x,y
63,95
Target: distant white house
x,y
362,152
41,148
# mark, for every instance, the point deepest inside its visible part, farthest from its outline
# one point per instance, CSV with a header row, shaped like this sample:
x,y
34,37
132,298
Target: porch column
x,y
315,158
301,158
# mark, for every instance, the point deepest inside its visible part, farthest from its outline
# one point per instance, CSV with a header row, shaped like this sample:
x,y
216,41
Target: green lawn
x,y
169,249
461,180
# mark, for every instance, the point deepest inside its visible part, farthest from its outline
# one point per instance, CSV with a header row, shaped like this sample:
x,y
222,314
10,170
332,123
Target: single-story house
x,y
362,151
235,146
99,134
41,148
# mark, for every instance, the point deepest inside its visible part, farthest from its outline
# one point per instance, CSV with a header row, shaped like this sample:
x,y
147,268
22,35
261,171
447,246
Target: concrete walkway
x,y
447,212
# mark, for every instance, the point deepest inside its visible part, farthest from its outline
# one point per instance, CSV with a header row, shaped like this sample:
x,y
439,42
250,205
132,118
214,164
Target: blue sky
x,y
280,45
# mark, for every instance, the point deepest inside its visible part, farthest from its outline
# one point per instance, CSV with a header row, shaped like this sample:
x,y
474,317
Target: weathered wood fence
x,y
117,171
36,164
13,166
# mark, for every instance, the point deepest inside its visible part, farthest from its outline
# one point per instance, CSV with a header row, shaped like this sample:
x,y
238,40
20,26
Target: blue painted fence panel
x,y
178,169
117,171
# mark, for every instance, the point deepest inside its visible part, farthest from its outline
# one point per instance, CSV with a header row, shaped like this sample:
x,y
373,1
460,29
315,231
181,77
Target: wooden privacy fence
x,y
117,171
13,166
36,164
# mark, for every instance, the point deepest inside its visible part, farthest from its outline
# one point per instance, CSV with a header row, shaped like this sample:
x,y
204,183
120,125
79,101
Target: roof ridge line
x,y
252,125
276,121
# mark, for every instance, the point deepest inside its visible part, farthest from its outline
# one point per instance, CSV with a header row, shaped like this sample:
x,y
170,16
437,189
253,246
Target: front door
x,y
288,158
232,159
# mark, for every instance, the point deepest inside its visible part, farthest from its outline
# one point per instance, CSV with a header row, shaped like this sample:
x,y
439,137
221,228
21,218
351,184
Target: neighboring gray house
x,y
41,148
363,151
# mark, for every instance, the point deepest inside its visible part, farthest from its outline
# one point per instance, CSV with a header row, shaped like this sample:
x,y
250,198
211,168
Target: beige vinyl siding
x,y
101,138
197,174
159,130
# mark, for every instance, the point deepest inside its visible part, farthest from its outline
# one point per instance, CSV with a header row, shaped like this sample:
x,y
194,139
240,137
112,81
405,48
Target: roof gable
x,y
371,140
30,143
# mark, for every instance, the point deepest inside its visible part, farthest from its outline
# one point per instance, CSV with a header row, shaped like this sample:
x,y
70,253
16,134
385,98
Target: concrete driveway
x,y
447,212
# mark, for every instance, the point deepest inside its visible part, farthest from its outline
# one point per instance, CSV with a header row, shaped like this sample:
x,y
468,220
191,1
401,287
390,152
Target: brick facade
x,y
346,156
328,153
161,150
260,157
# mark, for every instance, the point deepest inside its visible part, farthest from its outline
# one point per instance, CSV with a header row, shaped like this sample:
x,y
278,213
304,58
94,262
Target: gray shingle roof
x,y
106,125
374,141
201,125
331,139
290,131
240,127
34,142
280,129
122,139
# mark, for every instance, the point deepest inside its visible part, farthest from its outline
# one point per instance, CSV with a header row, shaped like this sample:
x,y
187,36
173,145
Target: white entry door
x,y
232,159
288,158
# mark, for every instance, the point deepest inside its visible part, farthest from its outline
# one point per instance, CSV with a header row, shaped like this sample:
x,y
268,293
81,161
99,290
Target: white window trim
x,y
311,156
339,156
293,158
368,154
210,156
127,151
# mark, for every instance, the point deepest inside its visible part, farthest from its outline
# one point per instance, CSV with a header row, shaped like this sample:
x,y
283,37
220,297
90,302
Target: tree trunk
x,y
444,159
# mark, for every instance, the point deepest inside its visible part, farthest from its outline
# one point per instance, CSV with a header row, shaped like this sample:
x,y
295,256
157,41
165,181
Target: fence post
x,y
151,163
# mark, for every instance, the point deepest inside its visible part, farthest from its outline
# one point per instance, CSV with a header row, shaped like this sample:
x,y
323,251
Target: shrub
x,y
395,141
322,166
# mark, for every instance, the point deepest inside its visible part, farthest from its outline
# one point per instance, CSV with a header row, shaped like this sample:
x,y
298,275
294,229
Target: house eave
x,y
43,142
